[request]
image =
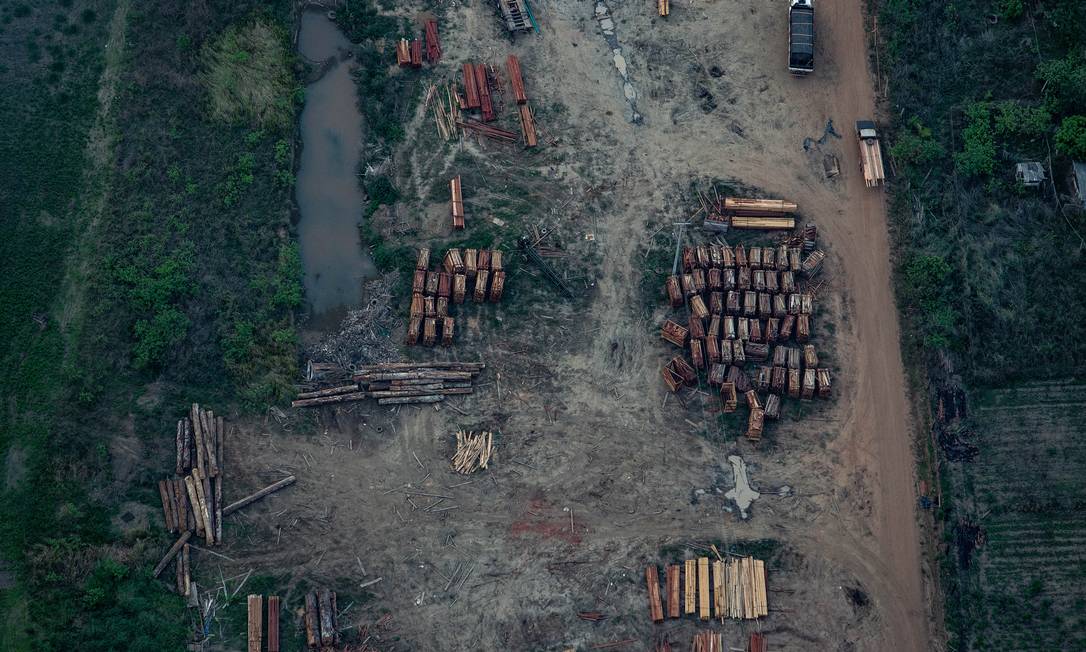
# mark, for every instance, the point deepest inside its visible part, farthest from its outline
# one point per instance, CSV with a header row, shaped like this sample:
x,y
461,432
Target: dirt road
x,y
596,471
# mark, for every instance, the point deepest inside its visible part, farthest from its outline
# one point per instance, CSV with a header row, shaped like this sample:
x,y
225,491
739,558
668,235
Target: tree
x,y
1071,137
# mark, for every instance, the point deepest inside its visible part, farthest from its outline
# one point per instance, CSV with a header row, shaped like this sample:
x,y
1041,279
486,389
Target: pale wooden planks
x,y
691,586
734,587
703,588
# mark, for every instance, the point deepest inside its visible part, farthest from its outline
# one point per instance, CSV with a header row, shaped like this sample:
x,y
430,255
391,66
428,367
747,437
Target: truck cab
x,y
801,35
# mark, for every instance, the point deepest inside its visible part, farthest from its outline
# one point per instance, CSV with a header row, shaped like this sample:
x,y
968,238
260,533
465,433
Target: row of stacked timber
x,y
398,383
785,257
409,53
746,213
433,293
734,587
527,119
321,628
256,632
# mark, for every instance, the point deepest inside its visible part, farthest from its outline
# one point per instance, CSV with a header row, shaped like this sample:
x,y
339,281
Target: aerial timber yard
x,y
540,325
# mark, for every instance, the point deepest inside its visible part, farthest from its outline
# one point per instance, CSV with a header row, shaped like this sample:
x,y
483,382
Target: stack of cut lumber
x,y
457,202
434,293
473,451
758,643
493,133
527,119
664,7
743,305
403,53
732,587
471,99
321,628
433,44
416,53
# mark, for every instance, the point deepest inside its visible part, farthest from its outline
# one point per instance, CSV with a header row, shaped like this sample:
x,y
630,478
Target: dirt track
x,y
581,407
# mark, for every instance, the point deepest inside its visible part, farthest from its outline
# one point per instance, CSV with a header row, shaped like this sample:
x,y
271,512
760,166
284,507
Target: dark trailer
x,y
801,37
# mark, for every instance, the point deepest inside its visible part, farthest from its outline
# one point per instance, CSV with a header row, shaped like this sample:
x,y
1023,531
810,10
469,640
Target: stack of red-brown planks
x,y
433,44
731,587
433,293
321,628
527,119
758,643
403,53
745,306
708,641
398,383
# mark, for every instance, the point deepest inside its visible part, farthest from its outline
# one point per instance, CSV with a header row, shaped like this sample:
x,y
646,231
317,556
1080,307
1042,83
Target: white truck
x,y
870,153
801,37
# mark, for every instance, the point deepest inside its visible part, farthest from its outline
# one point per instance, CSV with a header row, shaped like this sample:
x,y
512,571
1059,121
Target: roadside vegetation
x,y
165,275
990,276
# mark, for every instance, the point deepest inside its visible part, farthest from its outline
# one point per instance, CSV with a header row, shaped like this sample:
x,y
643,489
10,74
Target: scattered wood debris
x,y
708,641
446,111
734,587
473,451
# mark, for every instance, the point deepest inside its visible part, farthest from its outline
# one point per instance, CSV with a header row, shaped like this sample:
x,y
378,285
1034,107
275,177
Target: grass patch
x,y
247,76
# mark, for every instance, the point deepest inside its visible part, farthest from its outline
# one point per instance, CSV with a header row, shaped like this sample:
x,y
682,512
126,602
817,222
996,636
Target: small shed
x,y
1078,182
1030,174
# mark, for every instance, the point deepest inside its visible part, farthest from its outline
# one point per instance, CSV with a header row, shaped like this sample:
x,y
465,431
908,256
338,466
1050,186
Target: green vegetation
x,y
979,287
151,246
247,76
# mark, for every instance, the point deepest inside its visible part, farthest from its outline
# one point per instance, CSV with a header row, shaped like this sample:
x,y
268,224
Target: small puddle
x,y
327,191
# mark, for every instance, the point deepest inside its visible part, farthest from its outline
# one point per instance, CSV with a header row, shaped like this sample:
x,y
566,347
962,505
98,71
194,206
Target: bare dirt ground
x,y
596,473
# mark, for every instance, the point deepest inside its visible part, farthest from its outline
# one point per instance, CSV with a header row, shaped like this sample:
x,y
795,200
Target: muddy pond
x,y
327,188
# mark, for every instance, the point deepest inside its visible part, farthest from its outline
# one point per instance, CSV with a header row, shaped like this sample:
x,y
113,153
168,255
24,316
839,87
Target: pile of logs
x,y
473,451
745,213
434,292
321,629
745,305
398,383
736,588
192,501
256,623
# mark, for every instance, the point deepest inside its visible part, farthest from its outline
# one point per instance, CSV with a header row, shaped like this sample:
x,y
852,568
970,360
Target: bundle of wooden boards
x,y
745,305
735,588
433,293
473,451
409,53
664,7
456,202
527,120
746,213
398,383
477,93
321,628
256,623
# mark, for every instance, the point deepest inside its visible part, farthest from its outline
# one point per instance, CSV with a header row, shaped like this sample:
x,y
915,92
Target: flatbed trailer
x,y
870,153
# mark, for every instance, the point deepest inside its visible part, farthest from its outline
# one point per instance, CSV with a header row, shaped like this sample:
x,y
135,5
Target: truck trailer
x,y
870,153
801,35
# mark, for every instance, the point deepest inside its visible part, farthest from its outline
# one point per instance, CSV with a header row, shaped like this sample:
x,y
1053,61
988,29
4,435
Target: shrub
x,y
915,146
1064,80
1021,120
978,157
1071,137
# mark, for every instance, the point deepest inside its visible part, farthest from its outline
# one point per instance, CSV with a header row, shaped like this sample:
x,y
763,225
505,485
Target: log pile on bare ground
x,y
473,451
398,383
193,501
744,306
